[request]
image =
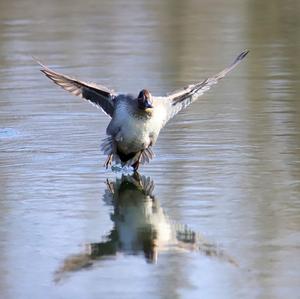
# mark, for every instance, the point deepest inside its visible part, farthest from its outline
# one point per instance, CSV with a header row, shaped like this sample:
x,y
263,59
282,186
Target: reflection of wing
x,y
73,263
93,251
191,241
98,95
180,99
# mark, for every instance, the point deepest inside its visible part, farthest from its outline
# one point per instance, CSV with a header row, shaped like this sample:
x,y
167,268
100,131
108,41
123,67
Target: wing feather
x,y
98,95
180,99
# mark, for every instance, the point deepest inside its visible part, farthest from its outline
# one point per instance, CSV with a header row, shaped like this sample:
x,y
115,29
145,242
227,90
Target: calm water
x,y
215,215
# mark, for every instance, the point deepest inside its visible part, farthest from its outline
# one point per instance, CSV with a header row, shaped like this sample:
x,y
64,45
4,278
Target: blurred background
x,y
228,166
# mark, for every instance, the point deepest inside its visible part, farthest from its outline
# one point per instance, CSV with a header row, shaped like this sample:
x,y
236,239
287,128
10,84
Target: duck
x,y
135,120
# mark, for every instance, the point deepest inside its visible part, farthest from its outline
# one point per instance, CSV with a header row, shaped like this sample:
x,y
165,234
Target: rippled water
x,y
214,215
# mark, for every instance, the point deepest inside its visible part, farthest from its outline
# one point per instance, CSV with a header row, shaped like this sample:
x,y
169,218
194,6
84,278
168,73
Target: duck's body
x,y
135,121
135,129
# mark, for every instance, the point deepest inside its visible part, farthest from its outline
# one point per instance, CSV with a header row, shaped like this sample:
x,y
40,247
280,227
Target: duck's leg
x,y
108,161
136,164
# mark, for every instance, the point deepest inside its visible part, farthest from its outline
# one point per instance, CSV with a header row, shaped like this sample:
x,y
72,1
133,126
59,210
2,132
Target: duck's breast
x,y
134,131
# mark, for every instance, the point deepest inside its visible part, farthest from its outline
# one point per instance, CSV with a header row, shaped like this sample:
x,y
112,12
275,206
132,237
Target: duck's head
x,y
145,100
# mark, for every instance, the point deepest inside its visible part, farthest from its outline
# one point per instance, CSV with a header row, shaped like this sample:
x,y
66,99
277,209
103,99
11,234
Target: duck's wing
x,y
180,99
98,95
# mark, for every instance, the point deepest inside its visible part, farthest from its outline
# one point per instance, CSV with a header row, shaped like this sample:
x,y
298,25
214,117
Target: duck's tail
x,y
109,148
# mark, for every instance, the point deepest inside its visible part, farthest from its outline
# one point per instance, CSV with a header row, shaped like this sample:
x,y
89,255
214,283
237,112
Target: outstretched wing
x,y
96,94
180,99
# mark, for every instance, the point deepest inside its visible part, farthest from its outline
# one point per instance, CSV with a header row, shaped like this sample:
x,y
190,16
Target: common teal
x,y
136,121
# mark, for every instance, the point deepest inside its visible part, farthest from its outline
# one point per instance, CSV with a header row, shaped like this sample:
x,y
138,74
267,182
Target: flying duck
x,y
136,121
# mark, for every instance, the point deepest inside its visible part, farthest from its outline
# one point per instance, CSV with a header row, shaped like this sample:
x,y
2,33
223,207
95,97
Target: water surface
x,y
222,218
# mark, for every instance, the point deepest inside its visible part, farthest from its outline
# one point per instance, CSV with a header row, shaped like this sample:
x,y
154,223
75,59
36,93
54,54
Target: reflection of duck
x,y
140,225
